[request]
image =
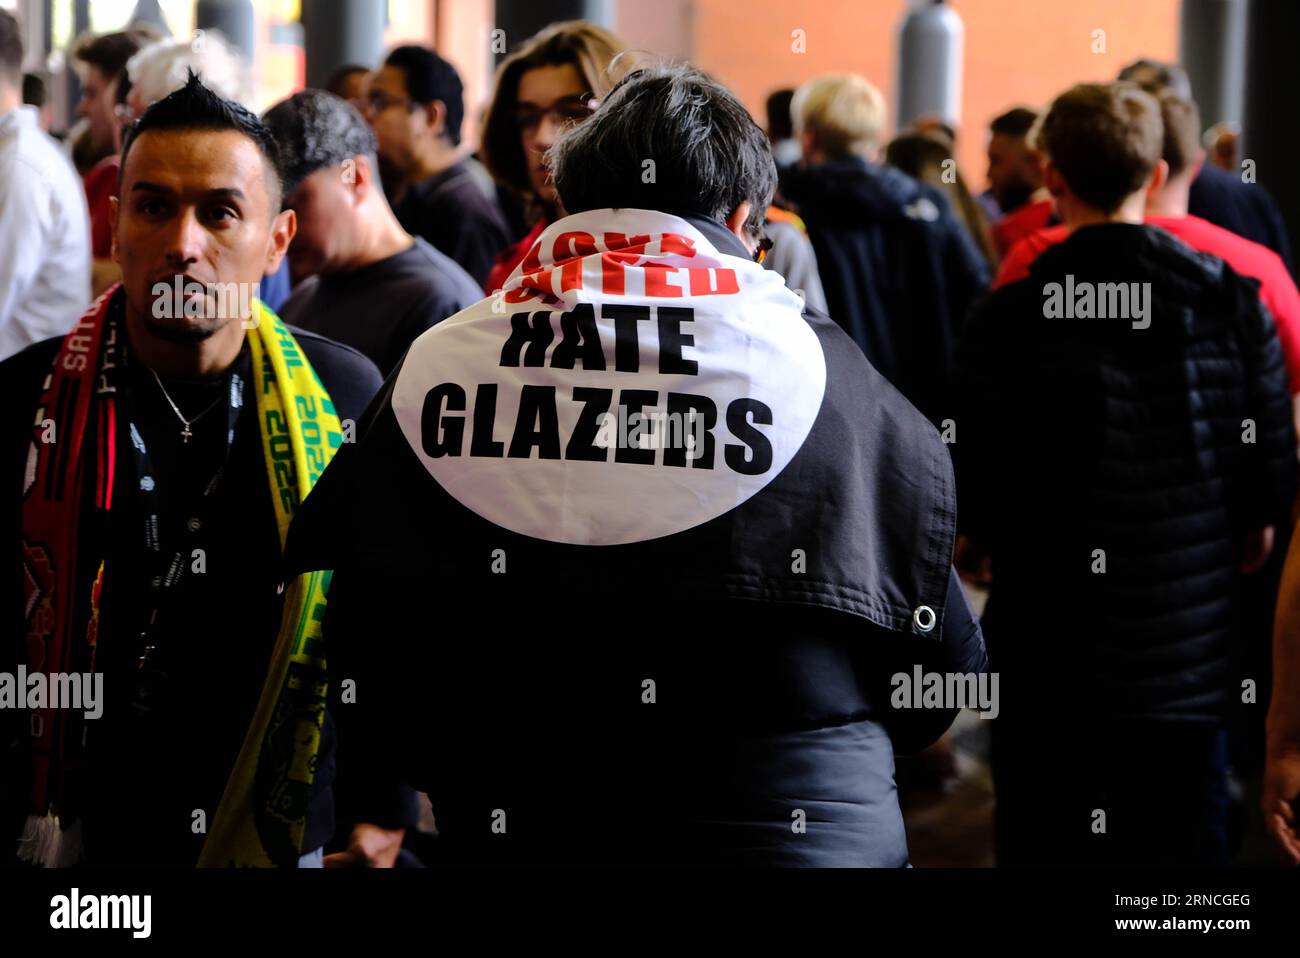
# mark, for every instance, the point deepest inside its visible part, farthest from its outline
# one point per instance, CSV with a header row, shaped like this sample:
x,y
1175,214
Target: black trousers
x,y
1111,794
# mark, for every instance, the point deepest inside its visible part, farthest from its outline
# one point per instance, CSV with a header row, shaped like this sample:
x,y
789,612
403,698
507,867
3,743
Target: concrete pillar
x,y
80,24
520,19
336,32
929,63
1270,137
1212,48
234,20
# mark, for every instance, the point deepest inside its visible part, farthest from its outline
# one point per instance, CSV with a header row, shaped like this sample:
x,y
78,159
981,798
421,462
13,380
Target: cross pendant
x,y
185,433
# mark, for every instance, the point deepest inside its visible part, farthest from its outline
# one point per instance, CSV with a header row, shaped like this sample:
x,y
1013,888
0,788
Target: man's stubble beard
x,y
182,332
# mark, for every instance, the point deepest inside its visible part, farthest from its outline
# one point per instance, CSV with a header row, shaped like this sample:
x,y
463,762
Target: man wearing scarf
x,y
638,547
157,454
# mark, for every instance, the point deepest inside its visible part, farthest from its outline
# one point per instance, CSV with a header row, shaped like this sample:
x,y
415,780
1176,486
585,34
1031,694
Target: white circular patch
x,y
747,357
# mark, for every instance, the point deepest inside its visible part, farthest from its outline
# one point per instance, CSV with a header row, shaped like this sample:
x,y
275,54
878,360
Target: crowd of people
x,y
609,482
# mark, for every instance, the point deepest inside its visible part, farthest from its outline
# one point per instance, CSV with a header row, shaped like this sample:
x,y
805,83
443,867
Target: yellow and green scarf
x,y
263,810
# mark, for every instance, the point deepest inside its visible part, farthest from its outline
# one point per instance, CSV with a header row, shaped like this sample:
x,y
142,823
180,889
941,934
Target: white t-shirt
x,y
44,235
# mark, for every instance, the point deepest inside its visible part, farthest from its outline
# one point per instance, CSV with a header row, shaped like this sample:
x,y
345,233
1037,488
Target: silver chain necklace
x,y
185,423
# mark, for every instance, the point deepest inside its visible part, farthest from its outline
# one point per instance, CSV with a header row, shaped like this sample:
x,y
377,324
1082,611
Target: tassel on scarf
x,y
45,842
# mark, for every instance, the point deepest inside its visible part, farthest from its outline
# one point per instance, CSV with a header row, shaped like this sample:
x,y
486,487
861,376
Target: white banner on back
x,y
629,382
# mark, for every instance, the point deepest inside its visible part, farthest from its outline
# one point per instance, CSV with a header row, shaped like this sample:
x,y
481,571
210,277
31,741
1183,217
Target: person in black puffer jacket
x,y
1123,445
899,270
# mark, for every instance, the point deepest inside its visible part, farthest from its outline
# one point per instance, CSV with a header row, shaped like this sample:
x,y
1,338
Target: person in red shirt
x,y
102,61
1167,209
1016,179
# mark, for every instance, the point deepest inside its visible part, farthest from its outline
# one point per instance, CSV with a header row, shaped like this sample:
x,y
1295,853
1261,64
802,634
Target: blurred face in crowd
x,y
98,96
550,99
201,205
1014,171
327,204
401,125
353,89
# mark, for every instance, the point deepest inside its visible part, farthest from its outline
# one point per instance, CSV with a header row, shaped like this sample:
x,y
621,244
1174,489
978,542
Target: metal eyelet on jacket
x,y
924,618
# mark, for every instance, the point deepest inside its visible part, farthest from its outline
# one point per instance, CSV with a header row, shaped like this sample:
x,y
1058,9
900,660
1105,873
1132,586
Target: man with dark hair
x,y
899,271
780,128
359,277
695,621
103,60
415,103
178,427
1016,179
1221,197
34,95
1123,443
45,266
349,83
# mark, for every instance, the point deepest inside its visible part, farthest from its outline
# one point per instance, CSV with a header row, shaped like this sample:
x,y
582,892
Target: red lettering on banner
x,y
571,275
570,250
713,282
656,280
611,271
676,243
618,243
533,261
569,245
519,294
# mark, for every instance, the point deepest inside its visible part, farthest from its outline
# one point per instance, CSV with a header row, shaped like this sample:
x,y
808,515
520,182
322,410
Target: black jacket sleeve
x,y
367,788
957,649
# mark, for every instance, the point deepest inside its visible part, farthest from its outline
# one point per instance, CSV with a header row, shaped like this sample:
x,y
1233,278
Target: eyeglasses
x,y
564,113
377,101
764,244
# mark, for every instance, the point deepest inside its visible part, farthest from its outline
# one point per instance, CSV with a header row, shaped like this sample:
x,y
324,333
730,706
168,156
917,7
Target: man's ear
x,y
1052,178
736,223
435,116
1159,177
283,227
807,145
114,210
1195,164
1034,166
364,179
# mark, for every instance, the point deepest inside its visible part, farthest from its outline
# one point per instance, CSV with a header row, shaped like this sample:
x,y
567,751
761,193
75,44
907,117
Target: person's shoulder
x,y
23,373
1166,251
911,198
1016,264
348,376
103,174
330,350
457,187
304,293
443,276
1243,254
858,383
1205,282
37,163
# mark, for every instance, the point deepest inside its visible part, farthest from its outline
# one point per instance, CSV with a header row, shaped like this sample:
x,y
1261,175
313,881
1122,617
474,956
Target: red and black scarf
x,y
69,468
